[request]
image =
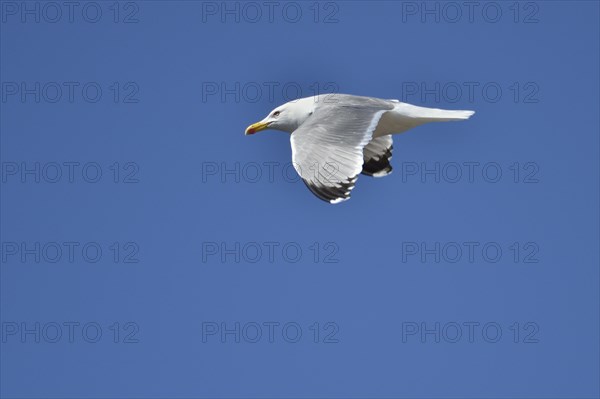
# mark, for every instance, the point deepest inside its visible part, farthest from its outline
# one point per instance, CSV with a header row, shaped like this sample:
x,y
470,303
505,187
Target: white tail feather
x,y
406,116
432,114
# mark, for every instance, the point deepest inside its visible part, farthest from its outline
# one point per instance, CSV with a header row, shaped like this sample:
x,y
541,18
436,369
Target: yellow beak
x,y
257,127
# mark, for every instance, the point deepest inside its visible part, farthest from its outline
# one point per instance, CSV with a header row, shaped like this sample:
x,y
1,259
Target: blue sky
x,y
150,249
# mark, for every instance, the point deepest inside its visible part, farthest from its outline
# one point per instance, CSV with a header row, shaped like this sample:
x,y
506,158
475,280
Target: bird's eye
x,y
276,113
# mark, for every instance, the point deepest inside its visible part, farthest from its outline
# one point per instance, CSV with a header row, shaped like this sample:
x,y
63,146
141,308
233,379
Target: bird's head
x,y
286,117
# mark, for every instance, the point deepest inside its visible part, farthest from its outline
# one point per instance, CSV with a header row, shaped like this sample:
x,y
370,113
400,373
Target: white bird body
x,y
335,137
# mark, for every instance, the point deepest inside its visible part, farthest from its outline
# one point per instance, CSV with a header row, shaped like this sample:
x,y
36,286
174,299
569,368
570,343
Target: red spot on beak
x,y
250,131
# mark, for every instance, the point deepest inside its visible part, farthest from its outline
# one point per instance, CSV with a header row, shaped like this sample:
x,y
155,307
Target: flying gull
x,y
335,137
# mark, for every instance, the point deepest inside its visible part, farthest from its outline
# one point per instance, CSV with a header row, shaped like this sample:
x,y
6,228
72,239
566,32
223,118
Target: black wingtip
x,y
332,194
379,167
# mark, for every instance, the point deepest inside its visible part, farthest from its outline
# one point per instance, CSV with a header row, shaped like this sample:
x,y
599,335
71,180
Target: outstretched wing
x,y
327,149
377,155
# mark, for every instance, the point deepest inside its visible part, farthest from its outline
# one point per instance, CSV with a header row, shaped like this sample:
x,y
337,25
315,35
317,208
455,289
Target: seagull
x,y
336,137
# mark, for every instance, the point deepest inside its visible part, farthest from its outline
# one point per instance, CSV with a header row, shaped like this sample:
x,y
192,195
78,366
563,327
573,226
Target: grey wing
x,y
377,155
327,149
